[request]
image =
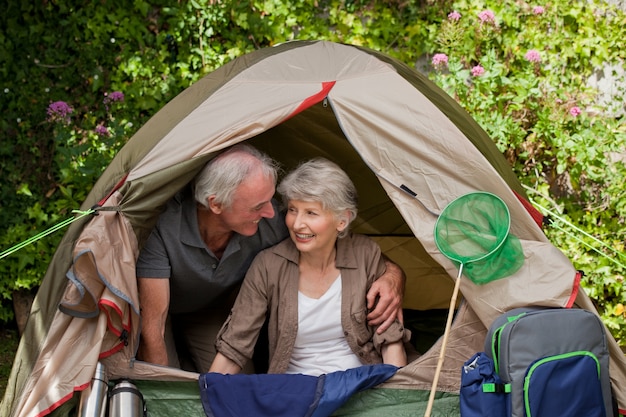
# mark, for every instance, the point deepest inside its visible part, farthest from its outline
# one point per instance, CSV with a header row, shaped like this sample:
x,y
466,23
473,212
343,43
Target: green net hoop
x,y
473,230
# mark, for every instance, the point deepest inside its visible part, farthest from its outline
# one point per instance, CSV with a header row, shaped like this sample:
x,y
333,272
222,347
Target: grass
x,y
9,340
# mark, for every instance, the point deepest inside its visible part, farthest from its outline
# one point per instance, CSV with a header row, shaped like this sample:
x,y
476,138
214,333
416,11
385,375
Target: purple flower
x,y
102,130
538,10
575,111
532,56
477,71
440,60
115,96
59,111
487,16
454,15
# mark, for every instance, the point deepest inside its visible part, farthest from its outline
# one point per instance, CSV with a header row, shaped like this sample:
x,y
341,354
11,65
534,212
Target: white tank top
x,y
320,346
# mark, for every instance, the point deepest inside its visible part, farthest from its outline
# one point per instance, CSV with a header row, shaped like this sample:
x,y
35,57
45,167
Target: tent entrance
x,y
315,132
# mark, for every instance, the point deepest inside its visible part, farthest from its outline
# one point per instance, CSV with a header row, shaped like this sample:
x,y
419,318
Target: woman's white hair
x,y
322,181
224,173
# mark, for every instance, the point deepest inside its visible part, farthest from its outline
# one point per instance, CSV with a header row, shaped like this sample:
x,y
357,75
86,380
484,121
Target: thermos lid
x,y
126,386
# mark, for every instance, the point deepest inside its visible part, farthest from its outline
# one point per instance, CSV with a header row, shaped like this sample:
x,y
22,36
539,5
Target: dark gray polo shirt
x,y
176,251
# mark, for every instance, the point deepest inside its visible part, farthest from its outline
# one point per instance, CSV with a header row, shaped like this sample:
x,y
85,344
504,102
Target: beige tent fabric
x,y
408,129
466,335
62,368
397,130
100,304
267,94
413,144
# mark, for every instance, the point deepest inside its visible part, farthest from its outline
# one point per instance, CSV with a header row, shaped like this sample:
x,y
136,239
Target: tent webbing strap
x,y
47,232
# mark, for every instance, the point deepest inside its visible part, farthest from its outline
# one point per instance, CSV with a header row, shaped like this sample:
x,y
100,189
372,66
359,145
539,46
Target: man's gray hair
x,y
325,182
224,173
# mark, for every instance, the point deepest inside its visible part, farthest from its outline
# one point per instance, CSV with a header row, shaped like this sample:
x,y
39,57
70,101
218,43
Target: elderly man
x,y
191,266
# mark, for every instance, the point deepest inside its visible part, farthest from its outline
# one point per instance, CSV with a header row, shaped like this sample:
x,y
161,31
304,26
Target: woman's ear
x,y
343,221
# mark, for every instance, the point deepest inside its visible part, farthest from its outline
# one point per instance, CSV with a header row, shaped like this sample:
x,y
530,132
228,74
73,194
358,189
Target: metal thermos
x,y
125,400
93,399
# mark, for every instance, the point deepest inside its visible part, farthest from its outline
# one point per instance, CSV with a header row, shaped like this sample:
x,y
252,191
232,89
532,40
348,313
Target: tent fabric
x,y
410,150
286,395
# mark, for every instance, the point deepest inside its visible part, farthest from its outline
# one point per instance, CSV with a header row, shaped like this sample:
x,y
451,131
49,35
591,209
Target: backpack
x,y
483,394
555,360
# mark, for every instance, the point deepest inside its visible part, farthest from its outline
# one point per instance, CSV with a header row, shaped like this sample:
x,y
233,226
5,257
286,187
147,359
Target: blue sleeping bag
x,y
286,395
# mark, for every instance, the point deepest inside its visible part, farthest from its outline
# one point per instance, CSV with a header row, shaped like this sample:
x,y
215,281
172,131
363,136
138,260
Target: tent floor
x,y
167,399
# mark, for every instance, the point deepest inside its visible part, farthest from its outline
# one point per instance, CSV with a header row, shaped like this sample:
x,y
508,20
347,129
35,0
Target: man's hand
x,y
386,294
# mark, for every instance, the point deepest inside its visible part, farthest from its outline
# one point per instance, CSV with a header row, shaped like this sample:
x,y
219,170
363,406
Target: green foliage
x,y
9,339
538,108
523,77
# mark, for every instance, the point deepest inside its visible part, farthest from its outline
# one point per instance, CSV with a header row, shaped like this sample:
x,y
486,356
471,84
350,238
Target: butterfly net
x,y
473,230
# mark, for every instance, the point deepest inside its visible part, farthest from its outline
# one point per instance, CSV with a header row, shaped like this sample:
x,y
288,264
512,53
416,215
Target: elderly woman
x,y
312,287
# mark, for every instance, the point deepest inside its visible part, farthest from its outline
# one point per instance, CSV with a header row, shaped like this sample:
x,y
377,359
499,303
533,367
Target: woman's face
x,y
312,228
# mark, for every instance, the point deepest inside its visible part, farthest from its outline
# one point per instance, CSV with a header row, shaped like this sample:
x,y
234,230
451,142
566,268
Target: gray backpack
x,y
555,360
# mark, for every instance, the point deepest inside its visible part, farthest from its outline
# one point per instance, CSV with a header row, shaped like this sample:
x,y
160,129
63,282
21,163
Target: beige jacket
x,y
270,289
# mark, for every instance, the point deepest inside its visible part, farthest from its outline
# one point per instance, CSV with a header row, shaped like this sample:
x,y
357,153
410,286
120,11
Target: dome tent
x,y
410,150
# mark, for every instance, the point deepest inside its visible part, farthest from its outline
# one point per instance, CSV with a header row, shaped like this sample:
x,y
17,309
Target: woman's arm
x,y
394,354
223,365
237,338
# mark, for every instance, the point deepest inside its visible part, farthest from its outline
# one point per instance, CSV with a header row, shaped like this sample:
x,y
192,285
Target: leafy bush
x,y
521,71
519,67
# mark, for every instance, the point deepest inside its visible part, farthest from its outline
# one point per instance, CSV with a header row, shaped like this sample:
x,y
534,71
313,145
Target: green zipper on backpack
x,y
495,341
550,359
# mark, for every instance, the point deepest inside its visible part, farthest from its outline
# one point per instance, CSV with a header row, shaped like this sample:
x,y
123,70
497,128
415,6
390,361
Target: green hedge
x,y
520,68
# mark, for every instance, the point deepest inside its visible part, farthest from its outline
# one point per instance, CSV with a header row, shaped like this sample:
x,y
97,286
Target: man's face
x,y
252,202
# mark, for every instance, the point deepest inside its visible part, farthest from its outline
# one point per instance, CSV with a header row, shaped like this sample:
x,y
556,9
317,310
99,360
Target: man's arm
x,y
386,293
154,299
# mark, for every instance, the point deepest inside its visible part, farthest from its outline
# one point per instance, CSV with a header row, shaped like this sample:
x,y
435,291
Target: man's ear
x,y
214,206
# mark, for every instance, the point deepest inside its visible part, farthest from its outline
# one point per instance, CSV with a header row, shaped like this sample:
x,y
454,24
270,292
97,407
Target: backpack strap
x,y
497,388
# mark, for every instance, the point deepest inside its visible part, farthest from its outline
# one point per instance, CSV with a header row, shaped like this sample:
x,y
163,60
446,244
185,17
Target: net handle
x,y
444,343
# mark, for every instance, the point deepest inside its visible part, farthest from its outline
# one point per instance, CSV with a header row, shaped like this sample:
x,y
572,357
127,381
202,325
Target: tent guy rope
x,y
47,232
561,220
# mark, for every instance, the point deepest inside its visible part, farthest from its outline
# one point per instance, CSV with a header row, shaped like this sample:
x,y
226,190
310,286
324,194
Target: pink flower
x,y
102,130
538,10
575,111
455,16
532,56
477,71
59,111
113,97
440,60
487,16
